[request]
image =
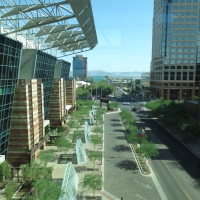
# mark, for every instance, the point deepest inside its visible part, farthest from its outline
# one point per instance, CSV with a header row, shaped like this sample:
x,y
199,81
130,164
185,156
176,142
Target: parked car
x,y
134,109
126,103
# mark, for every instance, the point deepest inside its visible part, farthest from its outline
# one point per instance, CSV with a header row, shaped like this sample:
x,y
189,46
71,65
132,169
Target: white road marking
x,y
140,197
145,185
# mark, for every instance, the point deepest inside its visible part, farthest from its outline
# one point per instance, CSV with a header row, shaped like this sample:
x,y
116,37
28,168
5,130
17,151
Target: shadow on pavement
x,y
120,137
121,147
115,120
116,125
118,130
80,169
126,165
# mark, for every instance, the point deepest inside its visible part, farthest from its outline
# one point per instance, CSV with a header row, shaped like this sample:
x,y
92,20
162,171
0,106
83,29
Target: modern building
x,y
175,64
71,95
27,133
80,67
10,57
37,64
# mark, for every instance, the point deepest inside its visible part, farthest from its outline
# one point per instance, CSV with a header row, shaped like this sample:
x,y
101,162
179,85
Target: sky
x,y
124,33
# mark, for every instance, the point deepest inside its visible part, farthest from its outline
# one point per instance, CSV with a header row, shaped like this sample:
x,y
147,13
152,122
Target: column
x,y
168,94
180,94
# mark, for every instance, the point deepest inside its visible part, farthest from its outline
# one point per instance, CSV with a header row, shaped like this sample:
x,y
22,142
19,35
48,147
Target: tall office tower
x,y
175,64
71,94
27,123
57,109
62,69
37,64
10,57
80,67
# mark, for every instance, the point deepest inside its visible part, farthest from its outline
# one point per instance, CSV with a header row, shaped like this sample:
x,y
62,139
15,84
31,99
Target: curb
x,y
135,156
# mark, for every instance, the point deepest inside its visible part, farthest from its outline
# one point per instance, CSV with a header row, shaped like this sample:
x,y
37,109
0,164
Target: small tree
x,y
10,190
92,182
97,130
149,149
96,140
113,105
63,144
45,157
71,124
5,171
94,156
45,189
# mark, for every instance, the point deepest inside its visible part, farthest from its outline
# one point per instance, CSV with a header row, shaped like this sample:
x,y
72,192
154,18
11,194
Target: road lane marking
x,y
145,185
184,191
140,197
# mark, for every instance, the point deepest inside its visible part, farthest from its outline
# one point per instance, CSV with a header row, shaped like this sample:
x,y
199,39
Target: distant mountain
x,y
113,74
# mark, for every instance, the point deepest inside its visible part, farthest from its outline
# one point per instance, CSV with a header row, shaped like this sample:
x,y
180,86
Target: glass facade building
x,y
10,57
80,67
175,60
39,65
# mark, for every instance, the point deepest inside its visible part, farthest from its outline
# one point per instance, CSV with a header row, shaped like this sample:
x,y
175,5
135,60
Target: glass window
x,y
193,32
187,32
186,37
179,61
195,1
188,7
173,44
175,13
175,7
182,1
185,56
188,20
173,50
192,44
181,25
194,26
181,19
180,50
180,44
191,55
174,26
181,32
181,7
194,14
179,67
172,62
185,50
174,19
187,25
180,38
174,1
173,37
188,13
193,38
181,13
195,7
192,50
194,19
173,55
179,56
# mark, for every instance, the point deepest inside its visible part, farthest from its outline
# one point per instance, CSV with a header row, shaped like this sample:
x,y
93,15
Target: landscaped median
x,y
141,147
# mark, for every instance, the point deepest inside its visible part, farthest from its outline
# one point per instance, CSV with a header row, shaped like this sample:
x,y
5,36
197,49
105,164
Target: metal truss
x,y
58,27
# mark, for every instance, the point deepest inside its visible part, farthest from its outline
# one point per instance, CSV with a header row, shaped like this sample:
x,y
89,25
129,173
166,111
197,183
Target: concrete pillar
x,y
193,90
161,93
168,94
180,94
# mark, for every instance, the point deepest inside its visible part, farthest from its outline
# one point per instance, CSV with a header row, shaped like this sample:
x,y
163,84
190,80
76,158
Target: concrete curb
x,y
135,156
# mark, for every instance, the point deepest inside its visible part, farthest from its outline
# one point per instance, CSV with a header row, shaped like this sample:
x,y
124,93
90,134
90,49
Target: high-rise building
x,y
80,67
37,64
10,55
175,64
27,124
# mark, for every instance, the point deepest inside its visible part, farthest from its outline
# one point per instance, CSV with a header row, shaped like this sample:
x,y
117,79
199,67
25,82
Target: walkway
x,y
121,175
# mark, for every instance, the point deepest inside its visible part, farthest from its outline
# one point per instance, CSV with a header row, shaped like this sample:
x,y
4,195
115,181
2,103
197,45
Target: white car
x,y
126,103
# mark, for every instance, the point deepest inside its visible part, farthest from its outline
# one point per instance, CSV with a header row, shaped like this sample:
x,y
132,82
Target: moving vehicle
x,y
126,103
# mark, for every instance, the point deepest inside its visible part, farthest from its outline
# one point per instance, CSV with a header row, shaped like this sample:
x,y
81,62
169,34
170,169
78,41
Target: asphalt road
x,y
176,168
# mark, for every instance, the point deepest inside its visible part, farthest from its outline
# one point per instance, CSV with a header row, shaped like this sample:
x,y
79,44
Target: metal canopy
x,y
58,27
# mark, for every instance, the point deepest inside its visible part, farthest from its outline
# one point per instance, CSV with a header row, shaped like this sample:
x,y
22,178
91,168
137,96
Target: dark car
x,y
134,109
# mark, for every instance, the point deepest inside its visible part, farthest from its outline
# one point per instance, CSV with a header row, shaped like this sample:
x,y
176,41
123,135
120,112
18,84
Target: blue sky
x,y
124,32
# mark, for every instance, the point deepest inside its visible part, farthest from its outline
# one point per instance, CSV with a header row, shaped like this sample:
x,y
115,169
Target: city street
x,y
176,168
